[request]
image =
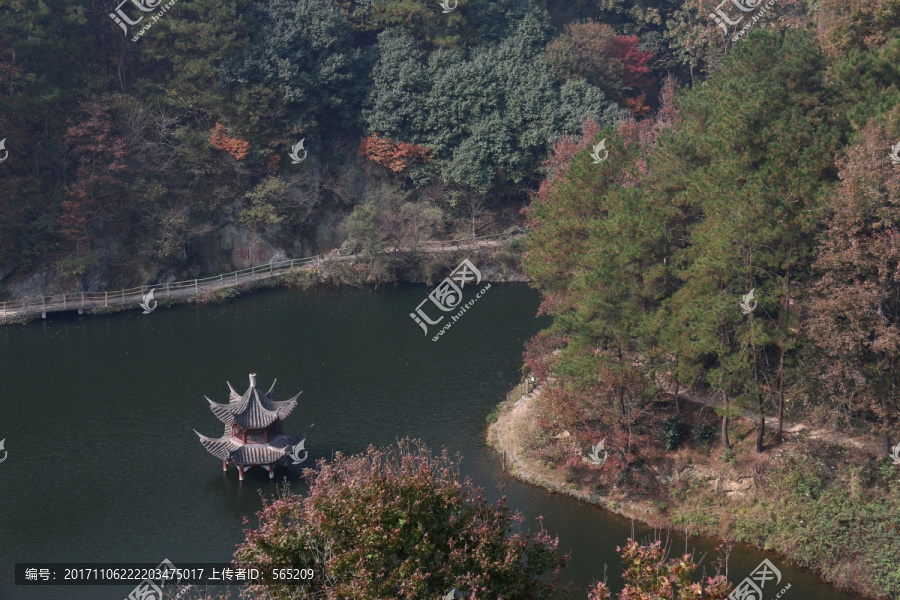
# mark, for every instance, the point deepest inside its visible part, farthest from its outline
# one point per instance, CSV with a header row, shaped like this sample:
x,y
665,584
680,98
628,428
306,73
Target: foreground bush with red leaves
x,y
398,523
650,576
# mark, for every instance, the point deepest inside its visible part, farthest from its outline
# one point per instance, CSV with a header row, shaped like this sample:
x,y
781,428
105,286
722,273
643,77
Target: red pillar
x,y
224,465
240,472
271,471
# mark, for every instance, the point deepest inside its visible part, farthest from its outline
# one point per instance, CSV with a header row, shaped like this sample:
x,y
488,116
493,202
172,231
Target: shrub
x,y
399,523
651,575
673,432
730,457
703,434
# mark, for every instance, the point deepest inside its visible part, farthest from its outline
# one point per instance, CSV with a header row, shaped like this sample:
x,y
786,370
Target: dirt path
x,y
814,433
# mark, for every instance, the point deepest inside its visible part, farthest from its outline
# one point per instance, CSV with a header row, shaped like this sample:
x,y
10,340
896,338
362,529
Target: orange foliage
x,y
237,148
396,156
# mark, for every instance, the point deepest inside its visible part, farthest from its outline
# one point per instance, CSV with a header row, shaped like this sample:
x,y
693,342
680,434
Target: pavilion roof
x,y
227,448
253,409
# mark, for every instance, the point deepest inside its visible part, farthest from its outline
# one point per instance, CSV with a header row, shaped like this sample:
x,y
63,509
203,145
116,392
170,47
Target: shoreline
x,y
515,416
330,273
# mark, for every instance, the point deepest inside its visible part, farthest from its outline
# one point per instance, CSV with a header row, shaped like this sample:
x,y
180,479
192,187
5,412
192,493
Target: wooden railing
x,y
83,300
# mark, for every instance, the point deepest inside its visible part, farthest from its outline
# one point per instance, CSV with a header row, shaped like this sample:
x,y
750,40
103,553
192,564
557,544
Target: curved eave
x,y
221,448
222,411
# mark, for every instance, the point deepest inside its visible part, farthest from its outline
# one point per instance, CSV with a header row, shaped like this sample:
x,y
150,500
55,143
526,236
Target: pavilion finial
x,y
253,380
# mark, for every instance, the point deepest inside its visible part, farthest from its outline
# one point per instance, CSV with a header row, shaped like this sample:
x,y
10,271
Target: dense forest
x,y
133,150
737,237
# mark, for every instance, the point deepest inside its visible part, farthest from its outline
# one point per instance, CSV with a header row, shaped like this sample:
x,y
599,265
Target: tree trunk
x,y
761,433
787,322
780,395
725,443
677,403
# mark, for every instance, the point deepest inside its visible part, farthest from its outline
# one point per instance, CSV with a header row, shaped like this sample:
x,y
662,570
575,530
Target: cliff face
x,y
314,204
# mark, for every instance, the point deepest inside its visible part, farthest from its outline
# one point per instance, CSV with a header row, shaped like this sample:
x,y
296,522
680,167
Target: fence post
x,y
167,288
123,295
235,278
65,304
106,298
221,279
4,310
82,299
196,289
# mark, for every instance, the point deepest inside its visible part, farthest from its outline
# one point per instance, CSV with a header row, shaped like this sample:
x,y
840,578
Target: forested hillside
x,y
712,206
150,141
133,148
738,248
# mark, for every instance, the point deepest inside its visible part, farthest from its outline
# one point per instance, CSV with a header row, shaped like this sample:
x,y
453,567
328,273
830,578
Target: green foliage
x,y
730,457
399,523
672,432
388,220
703,434
304,48
75,266
261,212
490,111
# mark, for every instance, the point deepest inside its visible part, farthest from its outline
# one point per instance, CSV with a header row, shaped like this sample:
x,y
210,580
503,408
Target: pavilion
x,y
253,435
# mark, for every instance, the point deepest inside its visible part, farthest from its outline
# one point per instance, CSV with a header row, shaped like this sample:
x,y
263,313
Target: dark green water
x,y
103,464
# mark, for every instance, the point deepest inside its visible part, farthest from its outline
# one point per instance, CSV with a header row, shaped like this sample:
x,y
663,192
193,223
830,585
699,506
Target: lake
x,y
99,413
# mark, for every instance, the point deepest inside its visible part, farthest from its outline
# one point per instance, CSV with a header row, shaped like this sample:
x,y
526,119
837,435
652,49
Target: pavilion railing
x,y
177,289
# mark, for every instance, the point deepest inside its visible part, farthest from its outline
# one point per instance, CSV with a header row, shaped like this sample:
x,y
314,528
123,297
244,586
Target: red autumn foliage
x,y
396,156
99,155
399,523
557,163
635,71
539,355
646,132
650,575
237,148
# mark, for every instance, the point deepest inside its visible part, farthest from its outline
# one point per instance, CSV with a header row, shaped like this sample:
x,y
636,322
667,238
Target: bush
x,y
673,432
651,575
703,434
399,523
730,457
